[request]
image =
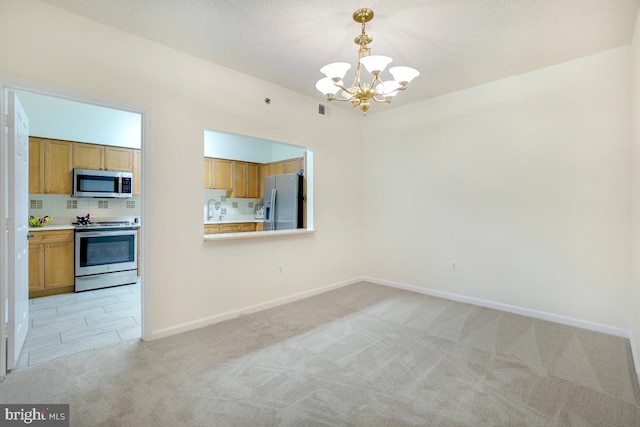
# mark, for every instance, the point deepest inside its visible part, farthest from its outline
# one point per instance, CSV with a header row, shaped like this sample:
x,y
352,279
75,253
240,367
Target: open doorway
x,y
64,318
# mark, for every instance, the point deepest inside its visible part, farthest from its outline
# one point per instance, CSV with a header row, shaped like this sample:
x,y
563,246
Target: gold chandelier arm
x,y
333,98
381,101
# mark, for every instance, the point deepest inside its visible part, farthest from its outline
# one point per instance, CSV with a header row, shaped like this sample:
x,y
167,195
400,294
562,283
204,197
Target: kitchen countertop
x,y
232,221
66,227
52,227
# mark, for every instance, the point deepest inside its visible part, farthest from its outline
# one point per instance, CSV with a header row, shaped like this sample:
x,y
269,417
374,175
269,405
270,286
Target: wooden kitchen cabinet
x,y
230,227
276,168
218,174
36,165
248,226
280,167
137,172
259,226
51,263
103,157
36,268
57,167
51,163
211,228
222,174
254,181
208,173
118,159
293,165
240,179
88,156
265,170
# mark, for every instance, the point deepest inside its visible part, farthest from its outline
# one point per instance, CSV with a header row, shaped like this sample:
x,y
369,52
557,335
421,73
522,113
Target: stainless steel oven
x,y
105,256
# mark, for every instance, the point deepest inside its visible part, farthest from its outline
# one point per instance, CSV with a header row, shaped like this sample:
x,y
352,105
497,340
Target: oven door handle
x,y
106,233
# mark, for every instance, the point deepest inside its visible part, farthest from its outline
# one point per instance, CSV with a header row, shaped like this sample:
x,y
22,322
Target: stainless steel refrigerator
x,y
282,202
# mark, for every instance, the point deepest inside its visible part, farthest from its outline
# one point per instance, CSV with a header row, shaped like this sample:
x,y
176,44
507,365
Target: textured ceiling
x,y
455,44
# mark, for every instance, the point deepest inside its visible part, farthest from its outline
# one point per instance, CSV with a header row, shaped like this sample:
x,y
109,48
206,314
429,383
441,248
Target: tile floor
x,y
66,324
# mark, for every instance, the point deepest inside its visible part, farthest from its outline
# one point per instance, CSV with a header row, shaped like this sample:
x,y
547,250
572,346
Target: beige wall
x,y
524,183
188,281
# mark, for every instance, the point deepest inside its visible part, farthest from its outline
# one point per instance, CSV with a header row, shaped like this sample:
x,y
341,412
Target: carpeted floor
x,y
363,355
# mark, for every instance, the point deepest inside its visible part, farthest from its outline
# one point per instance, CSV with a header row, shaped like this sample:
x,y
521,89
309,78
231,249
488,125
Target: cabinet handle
x,y
31,236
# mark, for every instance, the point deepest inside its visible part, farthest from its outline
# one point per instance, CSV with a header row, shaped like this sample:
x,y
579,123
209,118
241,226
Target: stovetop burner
x,y
85,222
103,224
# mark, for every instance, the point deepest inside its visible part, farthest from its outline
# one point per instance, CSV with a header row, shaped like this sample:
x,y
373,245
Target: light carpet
x,y
362,355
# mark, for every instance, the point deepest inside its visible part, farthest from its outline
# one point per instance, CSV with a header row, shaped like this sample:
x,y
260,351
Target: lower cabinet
x,y
234,227
51,263
211,228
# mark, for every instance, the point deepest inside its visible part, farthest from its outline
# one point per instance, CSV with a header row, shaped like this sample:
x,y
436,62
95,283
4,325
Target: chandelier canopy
x,y
361,93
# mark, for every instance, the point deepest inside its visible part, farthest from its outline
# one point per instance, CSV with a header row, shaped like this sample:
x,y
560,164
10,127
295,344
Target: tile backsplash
x,y
230,209
64,209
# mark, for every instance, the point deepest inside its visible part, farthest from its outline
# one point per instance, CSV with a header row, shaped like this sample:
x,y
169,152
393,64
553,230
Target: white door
x,y
18,228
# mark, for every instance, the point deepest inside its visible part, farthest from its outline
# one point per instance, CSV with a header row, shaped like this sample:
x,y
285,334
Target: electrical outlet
x,y
280,269
454,266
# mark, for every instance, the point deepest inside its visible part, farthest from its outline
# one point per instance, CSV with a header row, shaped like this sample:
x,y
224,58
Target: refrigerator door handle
x,y
272,219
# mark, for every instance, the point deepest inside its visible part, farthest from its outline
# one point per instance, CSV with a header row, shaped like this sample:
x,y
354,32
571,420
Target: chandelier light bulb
x,y
326,86
336,71
404,75
388,89
375,64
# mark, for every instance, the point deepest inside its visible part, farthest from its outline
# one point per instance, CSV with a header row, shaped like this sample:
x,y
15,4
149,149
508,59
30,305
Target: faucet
x,y
216,206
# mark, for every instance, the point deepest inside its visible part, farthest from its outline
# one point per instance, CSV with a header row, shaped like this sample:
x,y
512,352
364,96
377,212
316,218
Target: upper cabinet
x,y
118,159
244,179
137,172
222,174
240,180
276,168
291,165
57,167
36,165
285,166
218,174
208,173
51,163
88,156
103,157
254,181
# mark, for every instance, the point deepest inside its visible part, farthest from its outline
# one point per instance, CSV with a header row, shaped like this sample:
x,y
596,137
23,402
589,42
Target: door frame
x,y
10,83
4,303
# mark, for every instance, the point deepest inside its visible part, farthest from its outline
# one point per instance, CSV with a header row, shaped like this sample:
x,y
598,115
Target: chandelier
x,y
361,93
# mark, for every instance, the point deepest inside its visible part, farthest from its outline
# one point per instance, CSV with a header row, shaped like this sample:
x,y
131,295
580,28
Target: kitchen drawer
x,y
211,228
249,226
53,236
230,228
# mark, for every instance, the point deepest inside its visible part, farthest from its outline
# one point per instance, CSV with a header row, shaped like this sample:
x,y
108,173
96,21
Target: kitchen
x,y
253,185
84,235
64,286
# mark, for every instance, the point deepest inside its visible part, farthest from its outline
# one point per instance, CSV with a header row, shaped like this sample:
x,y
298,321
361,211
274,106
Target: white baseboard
x,y
536,314
199,323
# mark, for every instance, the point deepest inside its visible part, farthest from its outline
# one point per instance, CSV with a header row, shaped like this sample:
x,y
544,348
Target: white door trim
x,y
14,83
3,237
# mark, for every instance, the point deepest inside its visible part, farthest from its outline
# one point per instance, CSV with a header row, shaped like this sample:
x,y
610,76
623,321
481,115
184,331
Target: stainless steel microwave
x,y
99,183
